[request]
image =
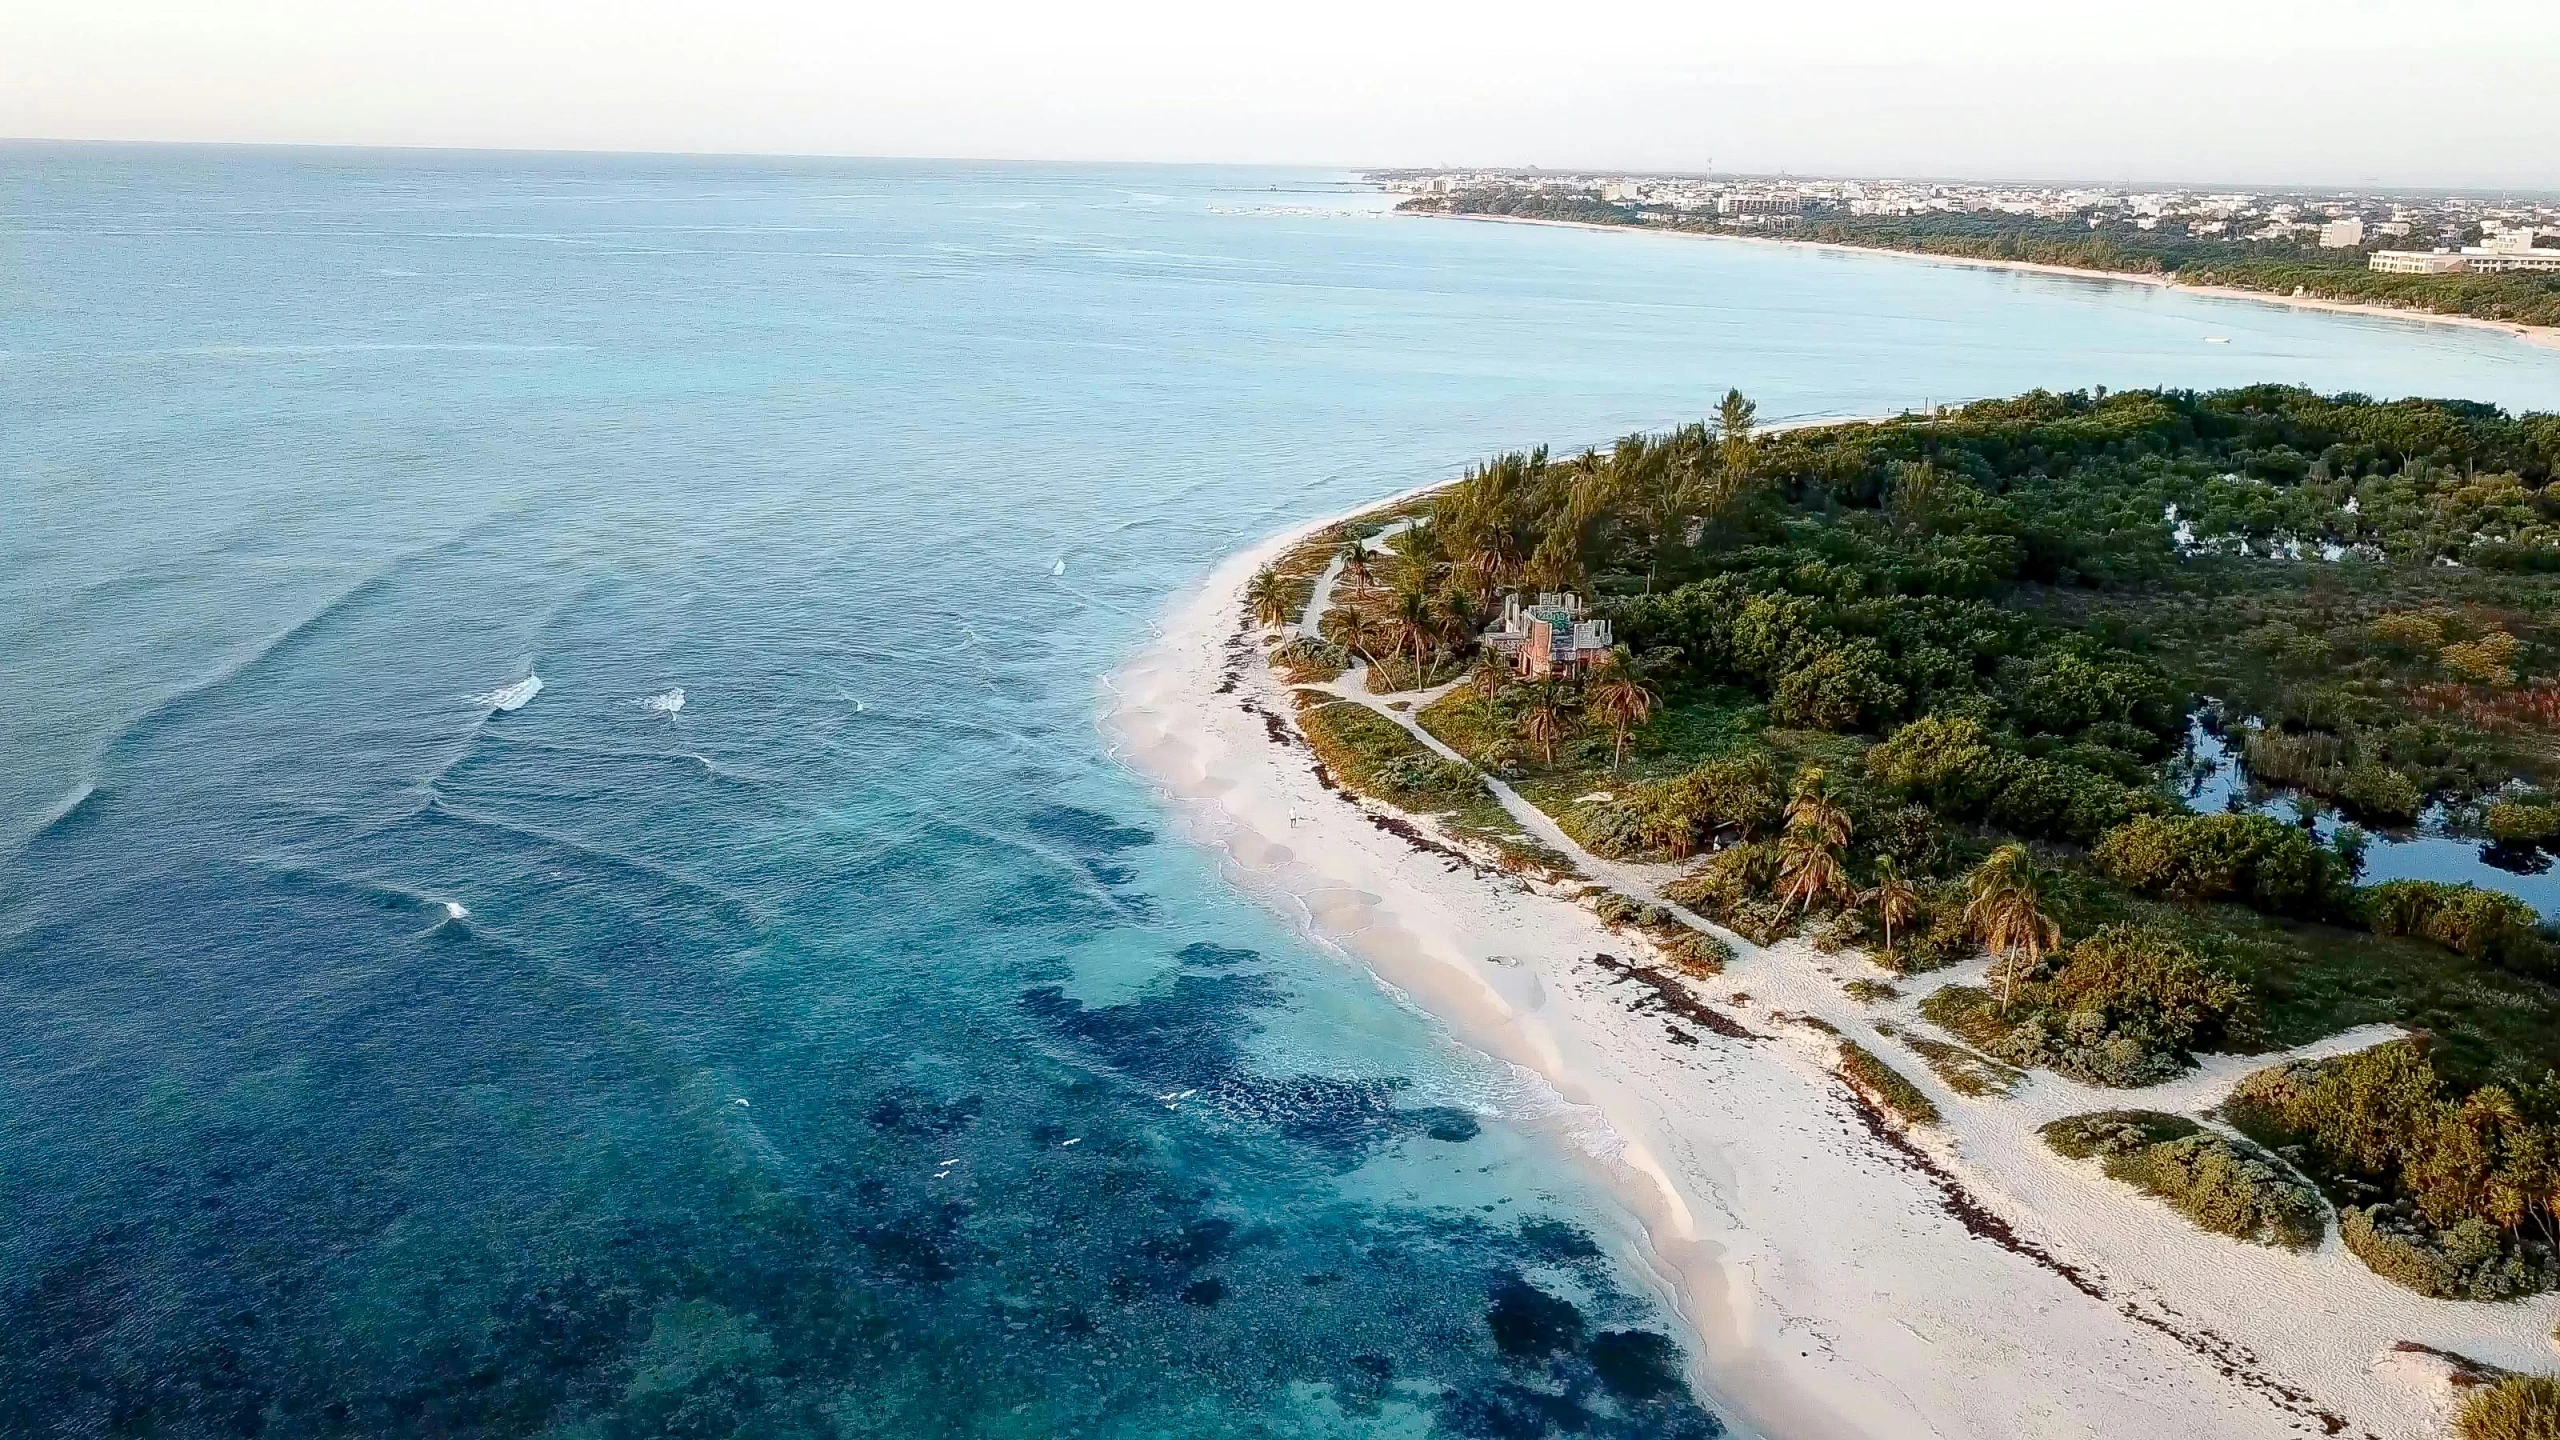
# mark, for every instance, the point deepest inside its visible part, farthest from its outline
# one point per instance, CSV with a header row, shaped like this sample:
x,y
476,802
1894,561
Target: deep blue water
x,y
843,1053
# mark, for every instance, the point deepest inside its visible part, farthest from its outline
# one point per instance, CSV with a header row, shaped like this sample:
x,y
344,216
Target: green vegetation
x,y
1690,951
2515,1407
1303,661
1965,1072
2449,1194
2126,1006
1374,755
2284,267
2104,1134
1925,686
1885,1085
1870,992
2481,924
2222,1185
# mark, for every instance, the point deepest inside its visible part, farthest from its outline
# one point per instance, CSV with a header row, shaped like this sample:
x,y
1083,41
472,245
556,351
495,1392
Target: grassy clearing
x,y
1885,1085
1375,756
1394,675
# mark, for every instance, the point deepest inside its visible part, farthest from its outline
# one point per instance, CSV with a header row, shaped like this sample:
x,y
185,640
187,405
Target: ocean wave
x,y
511,697
70,810
665,703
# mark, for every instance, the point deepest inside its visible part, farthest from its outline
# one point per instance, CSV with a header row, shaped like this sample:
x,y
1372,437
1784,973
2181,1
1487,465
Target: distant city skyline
x,y
2372,93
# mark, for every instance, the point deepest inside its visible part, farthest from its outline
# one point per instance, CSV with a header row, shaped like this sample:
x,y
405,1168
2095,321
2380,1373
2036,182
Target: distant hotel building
x,y
2416,262
2342,234
1760,209
2507,251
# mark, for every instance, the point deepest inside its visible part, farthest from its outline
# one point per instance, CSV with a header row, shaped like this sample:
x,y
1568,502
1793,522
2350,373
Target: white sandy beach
x,y
1839,1277
2543,335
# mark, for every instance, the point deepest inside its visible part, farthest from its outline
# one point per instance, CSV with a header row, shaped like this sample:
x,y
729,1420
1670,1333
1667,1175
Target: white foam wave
x,y
453,910
512,697
666,703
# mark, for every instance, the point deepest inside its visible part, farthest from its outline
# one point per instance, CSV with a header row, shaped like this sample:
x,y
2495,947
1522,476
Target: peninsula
x,y
2039,904
2481,260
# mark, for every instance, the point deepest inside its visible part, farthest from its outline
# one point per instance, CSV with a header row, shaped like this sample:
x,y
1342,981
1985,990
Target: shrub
x,y
1885,1085
2489,660
2518,822
1943,760
2409,631
2142,983
1912,836
2124,1008
1375,756
2109,1133
2516,1407
1616,909
1684,813
1838,686
1871,992
2065,801
1609,829
1696,953
2271,866
1304,659
1427,776
2227,1188
1967,1011
2468,1260
1940,942
2436,1193
2481,924
2379,792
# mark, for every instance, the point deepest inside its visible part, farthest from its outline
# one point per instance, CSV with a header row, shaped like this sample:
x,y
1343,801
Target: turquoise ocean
x,y
788,1019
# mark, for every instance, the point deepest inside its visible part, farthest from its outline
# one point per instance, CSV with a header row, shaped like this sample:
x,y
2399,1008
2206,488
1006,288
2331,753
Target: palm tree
x,y
1897,902
1409,625
1270,604
1809,807
1492,673
1456,623
1355,563
2005,911
1557,565
1618,699
1546,717
1809,869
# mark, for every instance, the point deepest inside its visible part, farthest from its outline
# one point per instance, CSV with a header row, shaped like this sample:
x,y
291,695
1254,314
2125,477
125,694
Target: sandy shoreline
x,y
1838,1277
2547,336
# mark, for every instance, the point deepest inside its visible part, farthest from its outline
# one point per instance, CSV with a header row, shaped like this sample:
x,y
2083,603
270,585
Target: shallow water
x,y
2218,781
393,1045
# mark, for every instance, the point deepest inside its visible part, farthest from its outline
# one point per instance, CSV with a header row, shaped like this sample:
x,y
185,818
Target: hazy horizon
x,y
2373,94
2165,182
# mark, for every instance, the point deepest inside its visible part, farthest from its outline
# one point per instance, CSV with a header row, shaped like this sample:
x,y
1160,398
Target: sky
x,y
2437,93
